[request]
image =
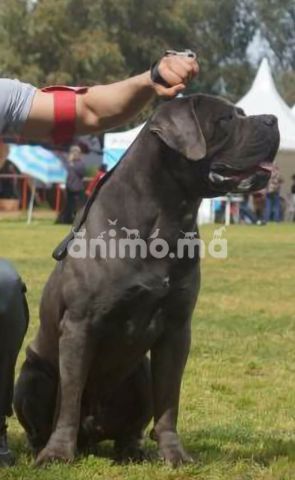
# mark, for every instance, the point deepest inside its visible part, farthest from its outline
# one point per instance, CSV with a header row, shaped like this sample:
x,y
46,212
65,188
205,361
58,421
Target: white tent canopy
x,y
293,109
262,98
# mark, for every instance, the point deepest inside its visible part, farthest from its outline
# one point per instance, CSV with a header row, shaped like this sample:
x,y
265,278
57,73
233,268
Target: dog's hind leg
x,y
121,416
136,410
126,412
35,398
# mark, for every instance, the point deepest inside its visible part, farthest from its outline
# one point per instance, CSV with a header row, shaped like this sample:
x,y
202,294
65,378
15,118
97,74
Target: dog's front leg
x,y
168,359
75,353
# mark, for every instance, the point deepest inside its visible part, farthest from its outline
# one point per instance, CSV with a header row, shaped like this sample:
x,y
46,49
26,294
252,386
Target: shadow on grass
x,y
229,442
104,450
237,443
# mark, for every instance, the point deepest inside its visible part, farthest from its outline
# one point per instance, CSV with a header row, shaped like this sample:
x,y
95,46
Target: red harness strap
x,y
64,112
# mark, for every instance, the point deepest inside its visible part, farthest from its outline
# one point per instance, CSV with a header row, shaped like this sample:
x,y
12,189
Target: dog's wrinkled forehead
x,y
218,118
190,126
212,102
213,108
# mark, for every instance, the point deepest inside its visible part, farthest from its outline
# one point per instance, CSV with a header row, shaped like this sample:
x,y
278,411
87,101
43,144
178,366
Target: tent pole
x,y
227,210
31,204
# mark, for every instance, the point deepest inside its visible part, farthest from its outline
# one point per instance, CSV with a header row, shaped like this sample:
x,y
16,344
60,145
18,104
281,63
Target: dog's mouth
x,y
224,178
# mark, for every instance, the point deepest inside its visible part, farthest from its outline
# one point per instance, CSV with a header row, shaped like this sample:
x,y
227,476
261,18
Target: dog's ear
x,y
177,125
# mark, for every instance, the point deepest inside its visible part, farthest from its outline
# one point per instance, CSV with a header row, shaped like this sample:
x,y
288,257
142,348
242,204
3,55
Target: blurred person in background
x,y
246,213
8,187
292,198
273,203
3,168
75,191
3,154
259,202
293,187
96,179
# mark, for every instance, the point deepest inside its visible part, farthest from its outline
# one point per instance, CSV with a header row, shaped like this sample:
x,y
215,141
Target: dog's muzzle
x,y
224,179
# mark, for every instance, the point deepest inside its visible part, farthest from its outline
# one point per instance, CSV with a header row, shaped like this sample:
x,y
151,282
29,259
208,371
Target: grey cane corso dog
x,y
86,377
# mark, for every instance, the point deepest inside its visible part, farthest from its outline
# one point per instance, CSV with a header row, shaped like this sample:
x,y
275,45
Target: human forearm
x,y
108,106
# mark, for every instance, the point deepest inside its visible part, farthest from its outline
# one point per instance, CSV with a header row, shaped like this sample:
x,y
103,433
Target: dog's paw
x,y
51,454
130,451
171,450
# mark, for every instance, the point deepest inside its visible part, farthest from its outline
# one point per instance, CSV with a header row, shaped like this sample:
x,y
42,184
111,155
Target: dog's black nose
x,y
270,120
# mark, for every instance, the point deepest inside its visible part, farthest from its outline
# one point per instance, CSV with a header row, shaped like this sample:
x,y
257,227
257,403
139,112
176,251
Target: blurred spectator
x,y
292,198
3,154
92,184
75,195
259,202
246,213
272,207
8,186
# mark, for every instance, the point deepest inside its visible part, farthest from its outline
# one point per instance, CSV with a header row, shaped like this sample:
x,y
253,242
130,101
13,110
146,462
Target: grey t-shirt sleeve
x,y
15,103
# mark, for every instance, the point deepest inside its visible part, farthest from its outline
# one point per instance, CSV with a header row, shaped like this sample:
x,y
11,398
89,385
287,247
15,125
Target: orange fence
x,y
25,184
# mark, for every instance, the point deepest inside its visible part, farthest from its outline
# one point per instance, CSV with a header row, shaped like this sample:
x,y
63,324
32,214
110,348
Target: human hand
x,y
172,73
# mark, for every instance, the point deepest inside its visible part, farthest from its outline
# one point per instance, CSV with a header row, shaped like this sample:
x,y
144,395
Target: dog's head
x,y
237,150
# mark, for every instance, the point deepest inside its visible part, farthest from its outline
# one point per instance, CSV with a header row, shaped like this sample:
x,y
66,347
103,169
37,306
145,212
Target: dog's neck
x,y
152,185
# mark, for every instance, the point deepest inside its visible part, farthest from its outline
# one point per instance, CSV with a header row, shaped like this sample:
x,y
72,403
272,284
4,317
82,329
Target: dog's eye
x,y
240,112
226,118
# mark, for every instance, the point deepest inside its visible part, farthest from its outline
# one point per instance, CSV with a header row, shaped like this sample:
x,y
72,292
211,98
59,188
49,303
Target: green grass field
x,y
237,415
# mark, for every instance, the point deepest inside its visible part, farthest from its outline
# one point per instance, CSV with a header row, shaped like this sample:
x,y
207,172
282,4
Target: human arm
x,y
107,106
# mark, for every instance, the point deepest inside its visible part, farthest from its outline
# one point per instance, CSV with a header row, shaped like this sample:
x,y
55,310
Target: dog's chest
x,y
135,313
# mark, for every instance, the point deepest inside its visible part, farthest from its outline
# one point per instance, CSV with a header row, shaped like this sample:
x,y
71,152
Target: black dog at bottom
x,y
86,377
